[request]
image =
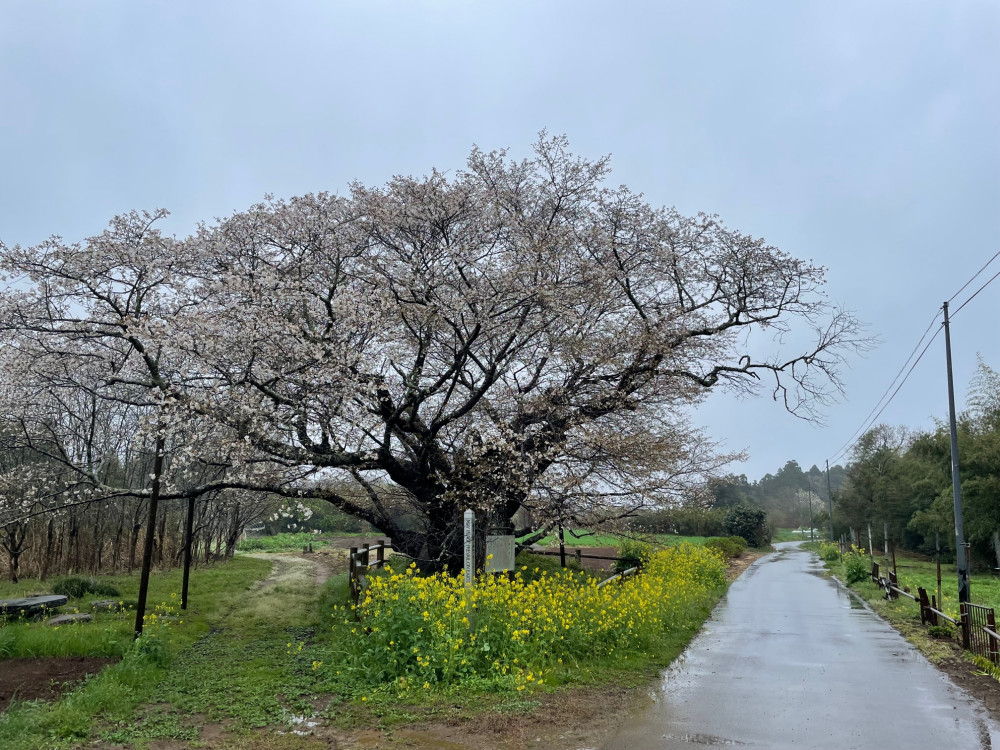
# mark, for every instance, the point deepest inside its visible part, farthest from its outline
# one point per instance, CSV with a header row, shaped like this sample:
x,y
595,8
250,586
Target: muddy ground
x,y
44,679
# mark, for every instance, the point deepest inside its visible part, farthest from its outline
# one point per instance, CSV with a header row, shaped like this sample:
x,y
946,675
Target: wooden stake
x,y
147,550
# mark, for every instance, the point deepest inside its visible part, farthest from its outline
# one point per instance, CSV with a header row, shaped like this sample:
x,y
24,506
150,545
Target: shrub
x,y
829,551
686,521
941,631
632,553
74,587
727,546
420,631
857,566
534,566
750,522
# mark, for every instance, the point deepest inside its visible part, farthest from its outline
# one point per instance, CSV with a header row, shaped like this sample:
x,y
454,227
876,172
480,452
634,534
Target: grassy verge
x,y
280,653
114,695
286,542
904,614
791,535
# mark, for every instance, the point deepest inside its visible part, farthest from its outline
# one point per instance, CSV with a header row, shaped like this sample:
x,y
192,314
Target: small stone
x,y
68,619
110,605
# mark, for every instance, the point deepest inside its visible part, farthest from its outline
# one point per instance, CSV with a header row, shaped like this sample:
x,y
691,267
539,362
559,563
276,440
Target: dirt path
x,y
288,568
282,599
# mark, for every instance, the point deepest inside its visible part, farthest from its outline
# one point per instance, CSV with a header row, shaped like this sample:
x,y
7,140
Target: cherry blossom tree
x,y
518,334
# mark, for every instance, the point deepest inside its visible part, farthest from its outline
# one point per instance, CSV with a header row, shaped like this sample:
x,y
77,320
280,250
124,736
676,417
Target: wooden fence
x,y
360,562
976,624
577,555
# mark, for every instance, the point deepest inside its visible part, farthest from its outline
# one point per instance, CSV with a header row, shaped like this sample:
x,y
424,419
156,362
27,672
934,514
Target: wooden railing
x,y
360,562
976,624
577,554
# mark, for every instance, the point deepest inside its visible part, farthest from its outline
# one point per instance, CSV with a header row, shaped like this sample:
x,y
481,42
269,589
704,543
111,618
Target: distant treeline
x,y
898,481
789,495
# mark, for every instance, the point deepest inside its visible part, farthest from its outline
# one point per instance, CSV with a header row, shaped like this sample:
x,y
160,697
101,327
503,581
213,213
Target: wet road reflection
x,y
790,660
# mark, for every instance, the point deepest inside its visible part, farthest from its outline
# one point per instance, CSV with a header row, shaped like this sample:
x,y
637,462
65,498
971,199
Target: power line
x,y
865,422
876,410
957,309
873,420
995,256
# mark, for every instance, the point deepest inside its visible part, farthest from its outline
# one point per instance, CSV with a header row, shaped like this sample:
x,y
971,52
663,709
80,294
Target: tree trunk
x,y
98,532
116,545
49,542
233,535
161,536
59,546
13,542
14,558
134,536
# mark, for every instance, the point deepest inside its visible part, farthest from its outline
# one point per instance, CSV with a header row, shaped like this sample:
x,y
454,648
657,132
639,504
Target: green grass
x,y
589,538
795,535
110,634
251,661
280,543
913,573
904,614
984,587
112,696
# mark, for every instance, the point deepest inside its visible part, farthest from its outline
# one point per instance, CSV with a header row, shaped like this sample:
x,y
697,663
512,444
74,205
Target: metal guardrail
x,y
942,615
891,585
620,577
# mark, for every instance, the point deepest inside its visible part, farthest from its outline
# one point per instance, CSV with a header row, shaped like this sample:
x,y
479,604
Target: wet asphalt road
x,y
790,660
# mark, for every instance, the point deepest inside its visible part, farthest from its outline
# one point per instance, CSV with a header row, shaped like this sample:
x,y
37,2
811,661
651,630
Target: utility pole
x,y
960,558
829,498
812,535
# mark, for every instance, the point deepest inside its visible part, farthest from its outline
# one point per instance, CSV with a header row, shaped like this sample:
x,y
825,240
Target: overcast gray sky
x,y
862,135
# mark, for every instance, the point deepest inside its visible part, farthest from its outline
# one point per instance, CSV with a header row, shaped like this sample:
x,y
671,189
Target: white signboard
x,y
470,547
499,553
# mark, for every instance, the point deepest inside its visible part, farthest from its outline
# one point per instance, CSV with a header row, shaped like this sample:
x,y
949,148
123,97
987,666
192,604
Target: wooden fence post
x,y
380,554
352,574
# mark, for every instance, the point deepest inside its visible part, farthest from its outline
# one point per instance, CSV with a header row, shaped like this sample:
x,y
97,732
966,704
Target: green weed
x,y
285,542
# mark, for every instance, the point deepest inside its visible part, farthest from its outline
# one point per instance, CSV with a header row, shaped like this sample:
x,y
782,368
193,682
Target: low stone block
x,y
69,619
30,605
111,605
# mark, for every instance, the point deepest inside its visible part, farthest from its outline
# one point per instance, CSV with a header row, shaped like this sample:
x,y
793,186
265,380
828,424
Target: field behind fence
x,y
933,589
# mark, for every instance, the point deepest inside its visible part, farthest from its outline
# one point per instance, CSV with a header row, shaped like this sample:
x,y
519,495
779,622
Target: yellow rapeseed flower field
x,y
426,630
